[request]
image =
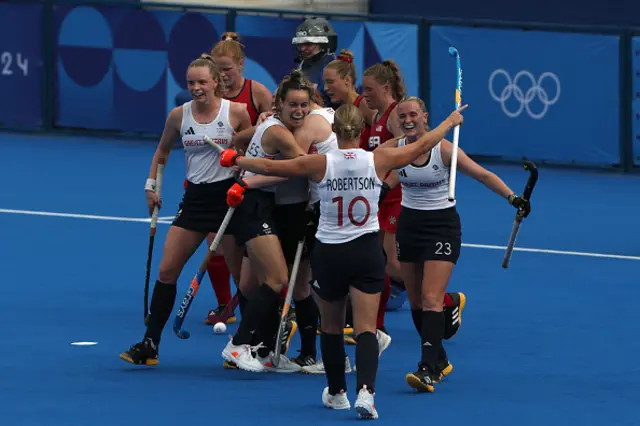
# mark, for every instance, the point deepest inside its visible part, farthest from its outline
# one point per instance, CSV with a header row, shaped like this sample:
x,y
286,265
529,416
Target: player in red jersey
x,y
229,57
383,88
340,85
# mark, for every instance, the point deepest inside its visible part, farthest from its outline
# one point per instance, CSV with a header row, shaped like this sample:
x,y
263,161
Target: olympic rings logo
x,y
524,97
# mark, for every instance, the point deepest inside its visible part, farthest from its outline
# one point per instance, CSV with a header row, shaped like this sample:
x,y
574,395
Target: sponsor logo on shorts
x,y
392,220
266,229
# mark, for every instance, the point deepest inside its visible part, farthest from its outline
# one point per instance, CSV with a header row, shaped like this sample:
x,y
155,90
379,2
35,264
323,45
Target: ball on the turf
x,y
220,328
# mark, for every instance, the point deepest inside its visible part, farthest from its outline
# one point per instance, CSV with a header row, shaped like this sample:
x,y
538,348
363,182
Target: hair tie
x,y
345,58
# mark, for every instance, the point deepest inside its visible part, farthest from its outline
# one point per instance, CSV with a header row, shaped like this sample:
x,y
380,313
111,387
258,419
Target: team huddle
x,y
341,196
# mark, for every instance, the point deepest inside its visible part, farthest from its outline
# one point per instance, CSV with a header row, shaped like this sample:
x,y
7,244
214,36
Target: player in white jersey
x,y
256,228
429,236
347,258
203,205
316,136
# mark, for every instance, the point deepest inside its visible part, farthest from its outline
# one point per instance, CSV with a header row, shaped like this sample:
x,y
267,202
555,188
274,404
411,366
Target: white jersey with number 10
x,y
349,194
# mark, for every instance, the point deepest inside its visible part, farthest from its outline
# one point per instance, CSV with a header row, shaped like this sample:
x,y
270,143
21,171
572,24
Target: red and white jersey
x,y
349,194
378,135
366,129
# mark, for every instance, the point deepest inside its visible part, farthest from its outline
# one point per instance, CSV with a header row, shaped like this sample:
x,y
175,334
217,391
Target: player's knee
x,y
277,279
247,283
331,325
168,273
432,300
302,290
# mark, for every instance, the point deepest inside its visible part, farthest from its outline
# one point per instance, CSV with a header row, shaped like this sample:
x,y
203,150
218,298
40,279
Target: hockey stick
x,y
197,280
195,283
456,130
528,189
152,236
287,303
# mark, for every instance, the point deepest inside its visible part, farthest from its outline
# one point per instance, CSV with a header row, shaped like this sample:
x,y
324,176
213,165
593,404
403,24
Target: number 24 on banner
x,y
13,63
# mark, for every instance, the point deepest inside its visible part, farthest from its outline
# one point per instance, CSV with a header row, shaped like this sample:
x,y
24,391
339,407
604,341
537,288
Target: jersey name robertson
x,y
358,183
348,194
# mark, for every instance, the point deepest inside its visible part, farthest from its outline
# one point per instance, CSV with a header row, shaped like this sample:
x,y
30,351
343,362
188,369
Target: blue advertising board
x,y
539,95
635,46
121,68
21,71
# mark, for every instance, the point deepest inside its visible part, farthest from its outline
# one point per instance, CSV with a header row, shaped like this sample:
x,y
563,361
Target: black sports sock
x,y
267,332
367,360
442,355
307,319
332,348
416,316
162,301
242,302
432,332
265,300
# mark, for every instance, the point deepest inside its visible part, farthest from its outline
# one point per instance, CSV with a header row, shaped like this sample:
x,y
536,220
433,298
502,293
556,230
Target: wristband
x,y
150,185
511,197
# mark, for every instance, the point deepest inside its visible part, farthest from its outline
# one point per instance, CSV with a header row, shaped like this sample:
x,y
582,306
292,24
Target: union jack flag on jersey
x,y
349,155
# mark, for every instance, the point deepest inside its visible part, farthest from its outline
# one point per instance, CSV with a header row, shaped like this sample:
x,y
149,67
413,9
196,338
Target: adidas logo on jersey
x,y
190,131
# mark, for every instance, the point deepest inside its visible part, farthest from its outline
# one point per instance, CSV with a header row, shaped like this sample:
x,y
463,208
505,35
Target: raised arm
x,y
489,179
308,165
394,158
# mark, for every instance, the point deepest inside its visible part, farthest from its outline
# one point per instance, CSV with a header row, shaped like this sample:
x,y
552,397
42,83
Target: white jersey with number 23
x,y
349,194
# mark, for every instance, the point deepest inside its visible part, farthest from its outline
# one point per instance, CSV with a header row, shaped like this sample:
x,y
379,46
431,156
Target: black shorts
x,y
204,206
313,219
291,224
428,235
358,263
254,217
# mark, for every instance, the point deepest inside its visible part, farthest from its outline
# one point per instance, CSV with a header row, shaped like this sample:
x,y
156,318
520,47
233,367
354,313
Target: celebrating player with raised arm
x,y
348,257
429,236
